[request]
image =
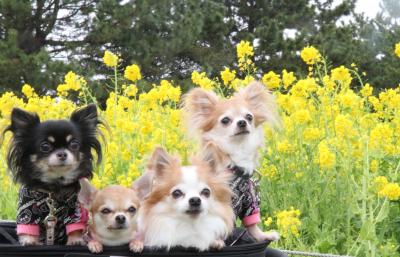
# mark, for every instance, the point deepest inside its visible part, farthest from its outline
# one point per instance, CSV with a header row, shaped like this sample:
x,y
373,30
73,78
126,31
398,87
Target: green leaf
x,y
367,231
384,212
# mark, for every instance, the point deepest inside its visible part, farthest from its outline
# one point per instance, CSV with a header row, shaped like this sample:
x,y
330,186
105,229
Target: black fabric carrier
x,y
244,246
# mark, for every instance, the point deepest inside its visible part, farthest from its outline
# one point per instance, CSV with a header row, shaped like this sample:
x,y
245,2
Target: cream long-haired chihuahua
x,y
114,211
188,206
235,125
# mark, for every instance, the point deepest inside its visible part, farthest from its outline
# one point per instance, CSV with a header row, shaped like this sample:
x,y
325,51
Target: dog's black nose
x,y
62,156
120,219
195,202
242,123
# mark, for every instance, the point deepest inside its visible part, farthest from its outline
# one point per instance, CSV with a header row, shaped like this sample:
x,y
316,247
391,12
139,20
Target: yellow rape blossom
x,y
366,91
343,126
326,158
391,191
267,221
244,49
341,74
311,134
132,72
201,80
301,116
374,166
288,78
227,76
288,222
310,55
271,80
380,182
28,91
285,147
397,49
110,59
131,90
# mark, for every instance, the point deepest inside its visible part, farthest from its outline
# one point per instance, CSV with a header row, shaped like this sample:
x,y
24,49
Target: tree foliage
x,y
41,40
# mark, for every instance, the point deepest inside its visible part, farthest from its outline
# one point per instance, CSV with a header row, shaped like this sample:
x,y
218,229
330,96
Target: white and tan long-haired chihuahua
x,y
187,206
235,125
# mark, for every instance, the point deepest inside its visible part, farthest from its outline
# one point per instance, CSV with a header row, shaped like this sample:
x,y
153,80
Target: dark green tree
x,y
41,40
31,39
168,39
376,53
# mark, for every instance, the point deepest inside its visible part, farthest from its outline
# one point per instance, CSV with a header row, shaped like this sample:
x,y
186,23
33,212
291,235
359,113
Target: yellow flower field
x,y
329,176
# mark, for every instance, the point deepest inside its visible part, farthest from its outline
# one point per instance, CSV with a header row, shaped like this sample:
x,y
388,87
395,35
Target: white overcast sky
x,y
369,7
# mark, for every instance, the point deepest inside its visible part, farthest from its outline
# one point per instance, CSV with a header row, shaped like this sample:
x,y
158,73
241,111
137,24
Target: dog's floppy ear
x,y
212,155
262,104
87,193
199,104
143,185
22,120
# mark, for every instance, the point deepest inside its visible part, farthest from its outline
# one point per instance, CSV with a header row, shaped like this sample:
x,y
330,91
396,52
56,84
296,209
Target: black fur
x,y
29,133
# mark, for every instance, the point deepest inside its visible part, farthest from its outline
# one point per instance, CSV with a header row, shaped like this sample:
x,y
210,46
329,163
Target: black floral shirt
x,y
246,199
33,209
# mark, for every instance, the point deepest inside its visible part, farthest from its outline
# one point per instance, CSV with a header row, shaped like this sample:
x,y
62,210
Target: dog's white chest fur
x,y
169,231
243,150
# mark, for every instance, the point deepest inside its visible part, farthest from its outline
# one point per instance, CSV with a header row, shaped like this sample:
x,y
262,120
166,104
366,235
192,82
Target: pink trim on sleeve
x,y
79,225
252,219
75,227
28,229
84,215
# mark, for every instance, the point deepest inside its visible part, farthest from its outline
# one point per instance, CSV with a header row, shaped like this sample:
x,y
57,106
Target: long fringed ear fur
x,y
143,185
262,104
160,162
22,123
158,168
87,193
87,120
199,104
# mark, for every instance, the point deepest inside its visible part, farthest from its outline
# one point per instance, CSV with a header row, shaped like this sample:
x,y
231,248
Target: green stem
x,y
116,93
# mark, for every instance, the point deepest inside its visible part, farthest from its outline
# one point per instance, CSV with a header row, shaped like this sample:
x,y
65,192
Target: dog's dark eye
x,y
131,209
45,147
177,193
105,211
249,117
206,192
225,120
74,145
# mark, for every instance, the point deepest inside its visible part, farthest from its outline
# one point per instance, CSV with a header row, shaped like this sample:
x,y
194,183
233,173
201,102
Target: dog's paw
x,y
28,240
76,241
95,246
136,246
271,236
76,238
218,244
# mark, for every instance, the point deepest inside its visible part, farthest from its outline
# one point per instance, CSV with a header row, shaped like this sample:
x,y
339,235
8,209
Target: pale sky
x,y
369,7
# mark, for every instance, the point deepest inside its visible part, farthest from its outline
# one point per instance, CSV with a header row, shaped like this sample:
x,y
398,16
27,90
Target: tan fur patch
x,y
204,108
162,185
121,199
116,194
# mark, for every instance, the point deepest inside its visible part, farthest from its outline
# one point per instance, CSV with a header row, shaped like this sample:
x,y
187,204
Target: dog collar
x,y
238,171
